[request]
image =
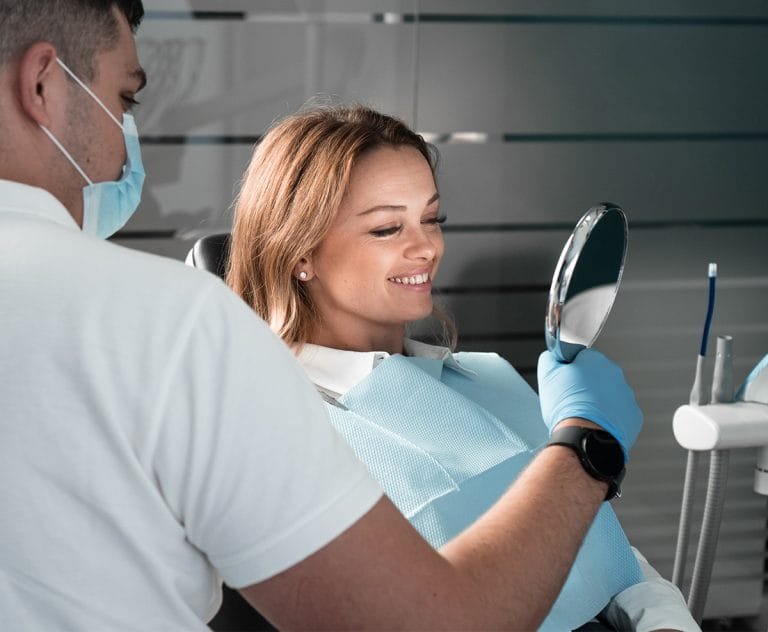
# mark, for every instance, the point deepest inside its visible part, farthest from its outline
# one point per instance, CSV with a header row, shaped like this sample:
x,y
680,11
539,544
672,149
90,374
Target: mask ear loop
x,y
66,154
89,91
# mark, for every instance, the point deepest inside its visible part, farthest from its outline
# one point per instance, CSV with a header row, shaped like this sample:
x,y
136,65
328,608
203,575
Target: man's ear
x,y
38,82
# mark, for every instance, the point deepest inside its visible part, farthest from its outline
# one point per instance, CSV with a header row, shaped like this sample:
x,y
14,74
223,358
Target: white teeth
x,y
416,279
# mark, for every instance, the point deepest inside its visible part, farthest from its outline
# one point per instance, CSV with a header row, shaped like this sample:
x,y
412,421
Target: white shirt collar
x,y
28,200
336,371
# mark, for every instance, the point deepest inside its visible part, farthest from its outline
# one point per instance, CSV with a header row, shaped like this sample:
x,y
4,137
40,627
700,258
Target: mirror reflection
x,y
586,280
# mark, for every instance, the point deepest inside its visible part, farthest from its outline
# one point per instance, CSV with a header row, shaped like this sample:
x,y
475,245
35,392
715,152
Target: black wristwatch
x,y
599,452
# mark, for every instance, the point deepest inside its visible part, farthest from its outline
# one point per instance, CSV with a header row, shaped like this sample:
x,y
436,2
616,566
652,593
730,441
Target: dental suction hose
x,y
710,532
722,392
684,527
697,398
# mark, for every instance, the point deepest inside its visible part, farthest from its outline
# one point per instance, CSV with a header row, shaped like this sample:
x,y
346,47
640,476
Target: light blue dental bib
x,y
445,445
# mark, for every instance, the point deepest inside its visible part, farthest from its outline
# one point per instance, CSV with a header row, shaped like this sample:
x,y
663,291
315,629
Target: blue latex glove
x,y
591,387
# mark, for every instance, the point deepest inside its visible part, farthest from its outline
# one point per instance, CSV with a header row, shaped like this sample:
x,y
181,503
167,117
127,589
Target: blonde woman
x,y
336,244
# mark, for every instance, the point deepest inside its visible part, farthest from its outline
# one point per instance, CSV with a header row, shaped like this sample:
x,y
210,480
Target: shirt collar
x,y
336,371
28,200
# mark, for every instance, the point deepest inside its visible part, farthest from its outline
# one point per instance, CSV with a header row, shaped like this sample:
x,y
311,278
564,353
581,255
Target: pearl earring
x,y
303,275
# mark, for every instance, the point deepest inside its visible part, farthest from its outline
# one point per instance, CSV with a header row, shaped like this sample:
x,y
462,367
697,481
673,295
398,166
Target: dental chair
x,y
211,253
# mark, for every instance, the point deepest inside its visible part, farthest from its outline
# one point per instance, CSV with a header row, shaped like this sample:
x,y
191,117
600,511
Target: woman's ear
x,y
38,83
303,269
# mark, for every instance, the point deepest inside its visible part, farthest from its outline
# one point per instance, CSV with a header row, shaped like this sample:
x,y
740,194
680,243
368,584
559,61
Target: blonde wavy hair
x,y
288,199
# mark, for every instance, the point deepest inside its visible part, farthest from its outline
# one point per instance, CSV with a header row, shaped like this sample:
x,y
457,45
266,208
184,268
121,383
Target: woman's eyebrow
x,y
396,207
383,207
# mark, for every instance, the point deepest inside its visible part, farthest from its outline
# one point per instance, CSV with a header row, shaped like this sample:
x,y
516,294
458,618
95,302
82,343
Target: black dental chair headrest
x,y
211,253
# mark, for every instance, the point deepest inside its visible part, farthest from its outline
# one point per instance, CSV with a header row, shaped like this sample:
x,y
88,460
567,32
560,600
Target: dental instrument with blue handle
x,y
697,398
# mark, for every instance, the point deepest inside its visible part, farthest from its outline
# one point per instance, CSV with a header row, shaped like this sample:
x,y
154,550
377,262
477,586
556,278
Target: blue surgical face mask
x,y
107,206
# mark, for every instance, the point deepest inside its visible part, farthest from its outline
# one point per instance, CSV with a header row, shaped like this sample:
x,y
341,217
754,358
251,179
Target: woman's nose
x,y
422,245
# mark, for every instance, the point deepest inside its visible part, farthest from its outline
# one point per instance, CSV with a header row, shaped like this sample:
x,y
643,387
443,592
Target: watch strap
x,y
574,438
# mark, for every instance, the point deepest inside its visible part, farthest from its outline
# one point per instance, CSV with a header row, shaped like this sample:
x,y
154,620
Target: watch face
x,y
604,452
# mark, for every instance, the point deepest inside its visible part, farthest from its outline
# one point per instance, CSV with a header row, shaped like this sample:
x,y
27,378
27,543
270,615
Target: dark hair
x,y
77,28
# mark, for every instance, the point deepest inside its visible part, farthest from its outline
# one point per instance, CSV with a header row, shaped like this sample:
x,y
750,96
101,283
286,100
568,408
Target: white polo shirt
x,y
155,436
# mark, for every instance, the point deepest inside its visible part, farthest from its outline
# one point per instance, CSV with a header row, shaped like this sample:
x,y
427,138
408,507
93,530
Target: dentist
x,y
157,437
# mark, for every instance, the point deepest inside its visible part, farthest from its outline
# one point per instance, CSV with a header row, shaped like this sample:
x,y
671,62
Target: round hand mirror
x,y
586,280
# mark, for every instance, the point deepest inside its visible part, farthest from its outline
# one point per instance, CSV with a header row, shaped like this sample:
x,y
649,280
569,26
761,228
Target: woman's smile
x,y
419,281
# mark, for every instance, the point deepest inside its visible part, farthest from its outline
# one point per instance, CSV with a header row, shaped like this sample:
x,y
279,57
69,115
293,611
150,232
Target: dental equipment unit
x,y
717,427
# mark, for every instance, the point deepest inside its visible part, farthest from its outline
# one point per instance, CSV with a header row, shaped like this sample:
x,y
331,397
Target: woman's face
x,y
372,274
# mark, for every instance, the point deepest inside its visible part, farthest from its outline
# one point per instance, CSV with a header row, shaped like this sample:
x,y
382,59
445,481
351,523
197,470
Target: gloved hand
x,y
591,387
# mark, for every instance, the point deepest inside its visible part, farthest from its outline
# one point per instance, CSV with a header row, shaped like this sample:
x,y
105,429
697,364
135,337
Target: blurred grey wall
x,y
540,110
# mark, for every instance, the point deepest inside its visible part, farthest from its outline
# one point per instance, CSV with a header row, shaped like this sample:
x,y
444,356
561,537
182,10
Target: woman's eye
x,y
385,232
439,219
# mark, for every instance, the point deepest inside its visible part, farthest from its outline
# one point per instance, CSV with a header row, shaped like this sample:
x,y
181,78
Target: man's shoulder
x,y
172,305
140,286
149,273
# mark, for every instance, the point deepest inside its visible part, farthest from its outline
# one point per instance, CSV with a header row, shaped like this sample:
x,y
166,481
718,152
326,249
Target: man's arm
x,y
503,572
